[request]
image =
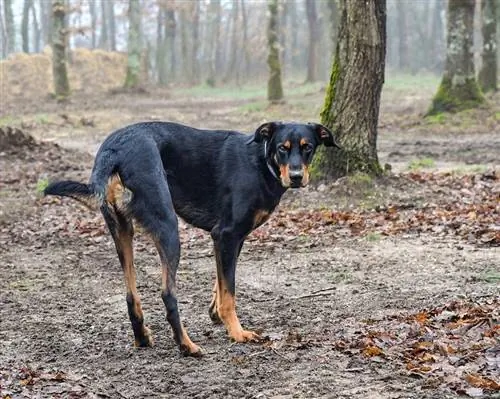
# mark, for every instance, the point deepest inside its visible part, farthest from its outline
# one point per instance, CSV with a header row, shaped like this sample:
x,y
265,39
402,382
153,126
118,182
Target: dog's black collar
x,y
269,166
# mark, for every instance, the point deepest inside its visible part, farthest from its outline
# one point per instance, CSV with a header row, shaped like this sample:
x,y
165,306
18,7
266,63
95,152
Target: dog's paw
x,y
145,341
192,350
245,336
214,315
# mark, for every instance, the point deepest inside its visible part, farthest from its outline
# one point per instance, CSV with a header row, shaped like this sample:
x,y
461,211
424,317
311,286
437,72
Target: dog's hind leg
x,y
152,206
122,231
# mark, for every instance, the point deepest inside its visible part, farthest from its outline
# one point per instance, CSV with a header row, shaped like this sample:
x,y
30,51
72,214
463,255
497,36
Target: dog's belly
x,y
195,216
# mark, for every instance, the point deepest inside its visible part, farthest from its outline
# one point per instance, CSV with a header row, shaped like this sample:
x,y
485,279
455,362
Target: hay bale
x,y
26,75
30,75
97,70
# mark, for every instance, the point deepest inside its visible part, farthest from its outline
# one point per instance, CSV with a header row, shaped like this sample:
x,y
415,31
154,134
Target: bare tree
x,y
134,45
352,100
458,89
93,22
9,26
59,70
233,50
274,86
24,26
195,64
3,35
46,21
488,72
37,32
110,14
104,38
246,51
214,52
313,24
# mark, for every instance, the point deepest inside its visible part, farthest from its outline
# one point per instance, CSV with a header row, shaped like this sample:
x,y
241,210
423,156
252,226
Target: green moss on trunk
x,y
453,98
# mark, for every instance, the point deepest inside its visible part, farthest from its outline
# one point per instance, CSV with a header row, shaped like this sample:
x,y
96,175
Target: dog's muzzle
x,y
296,178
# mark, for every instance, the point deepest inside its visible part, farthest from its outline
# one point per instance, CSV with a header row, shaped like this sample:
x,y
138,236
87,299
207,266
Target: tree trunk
x,y
283,27
214,16
295,59
245,39
37,36
93,22
233,49
353,95
46,9
24,26
195,65
488,73
186,70
312,57
59,70
170,33
161,49
134,45
111,23
3,36
334,21
9,26
104,38
274,86
458,89
402,36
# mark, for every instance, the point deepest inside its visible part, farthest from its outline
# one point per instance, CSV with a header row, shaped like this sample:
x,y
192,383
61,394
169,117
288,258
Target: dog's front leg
x,y
227,247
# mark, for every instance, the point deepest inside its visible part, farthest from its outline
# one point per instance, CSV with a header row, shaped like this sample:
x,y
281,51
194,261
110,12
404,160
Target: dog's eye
x,y
307,148
282,149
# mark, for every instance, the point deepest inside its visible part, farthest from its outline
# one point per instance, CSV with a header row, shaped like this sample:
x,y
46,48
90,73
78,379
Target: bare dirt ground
x,y
362,289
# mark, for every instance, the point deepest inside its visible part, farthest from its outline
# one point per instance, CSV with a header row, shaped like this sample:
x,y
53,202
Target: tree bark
x,y
195,64
93,22
9,26
161,48
312,57
246,52
170,33
488,73
59,69
352,100
25,26
233,49
111,23
274,86
458,89
46,9
37,34
3,35
134,45
183,12
104,38
214,53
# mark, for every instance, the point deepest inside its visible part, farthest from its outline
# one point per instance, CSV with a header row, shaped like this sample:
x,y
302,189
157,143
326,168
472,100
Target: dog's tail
x,y
93,194
72,189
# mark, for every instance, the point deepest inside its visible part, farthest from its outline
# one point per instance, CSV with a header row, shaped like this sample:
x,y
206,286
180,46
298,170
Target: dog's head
x,y
290,147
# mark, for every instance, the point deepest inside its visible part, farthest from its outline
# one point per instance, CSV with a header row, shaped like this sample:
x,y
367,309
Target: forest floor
x,y
361,288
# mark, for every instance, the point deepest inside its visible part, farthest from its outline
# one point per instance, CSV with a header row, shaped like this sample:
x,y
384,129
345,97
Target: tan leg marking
x,y
125,241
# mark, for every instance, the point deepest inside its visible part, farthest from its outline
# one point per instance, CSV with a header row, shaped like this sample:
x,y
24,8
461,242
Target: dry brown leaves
x,y
471,213
455,346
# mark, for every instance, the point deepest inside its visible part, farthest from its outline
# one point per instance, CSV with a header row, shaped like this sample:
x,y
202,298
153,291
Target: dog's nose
x,y
295,177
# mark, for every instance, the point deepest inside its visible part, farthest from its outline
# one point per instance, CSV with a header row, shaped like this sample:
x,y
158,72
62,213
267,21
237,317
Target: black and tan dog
x,y
224,182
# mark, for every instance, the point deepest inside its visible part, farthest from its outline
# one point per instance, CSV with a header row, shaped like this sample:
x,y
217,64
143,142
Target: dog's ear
x,y
325,136
264,132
